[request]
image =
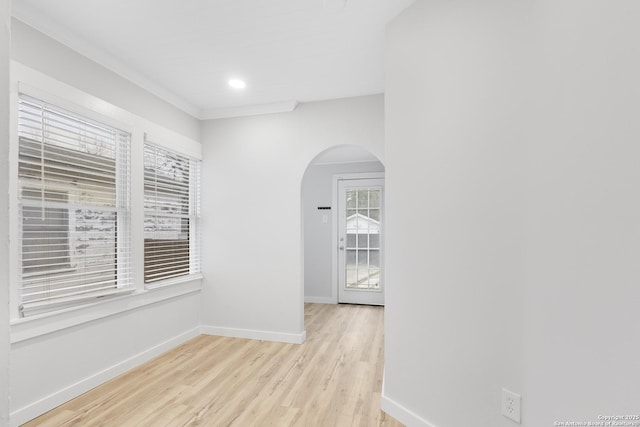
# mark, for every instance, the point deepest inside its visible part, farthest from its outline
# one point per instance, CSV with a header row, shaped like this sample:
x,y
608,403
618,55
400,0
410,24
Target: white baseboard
x,y
402,414
319,300
26,413
399,412
254,334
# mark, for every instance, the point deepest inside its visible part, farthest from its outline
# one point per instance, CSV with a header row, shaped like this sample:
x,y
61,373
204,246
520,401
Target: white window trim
x,y
27,328
179,145
174,281
122,206
195,262
36,84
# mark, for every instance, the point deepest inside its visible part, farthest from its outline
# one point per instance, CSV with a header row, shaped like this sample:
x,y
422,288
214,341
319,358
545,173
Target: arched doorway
x,y
320,225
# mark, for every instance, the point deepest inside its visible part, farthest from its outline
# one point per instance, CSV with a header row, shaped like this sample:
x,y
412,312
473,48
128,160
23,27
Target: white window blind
x,y
74,179
172,214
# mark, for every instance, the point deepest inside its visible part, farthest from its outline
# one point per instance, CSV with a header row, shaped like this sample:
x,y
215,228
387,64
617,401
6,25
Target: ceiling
x,y
185,52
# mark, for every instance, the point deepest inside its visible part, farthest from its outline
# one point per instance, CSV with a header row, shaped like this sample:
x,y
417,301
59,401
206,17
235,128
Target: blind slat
x,y
74,176
170,192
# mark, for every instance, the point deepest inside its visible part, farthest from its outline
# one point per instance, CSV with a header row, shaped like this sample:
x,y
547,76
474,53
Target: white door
x,y
360,210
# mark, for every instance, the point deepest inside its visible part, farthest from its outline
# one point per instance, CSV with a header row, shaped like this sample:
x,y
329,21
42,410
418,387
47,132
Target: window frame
x,y
24,79
120,208
192,215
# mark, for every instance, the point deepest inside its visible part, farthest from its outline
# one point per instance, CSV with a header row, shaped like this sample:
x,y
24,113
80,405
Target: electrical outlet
x,y
511,405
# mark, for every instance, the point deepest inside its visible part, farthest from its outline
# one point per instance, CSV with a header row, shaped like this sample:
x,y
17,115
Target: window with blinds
x,y
172,212
73,179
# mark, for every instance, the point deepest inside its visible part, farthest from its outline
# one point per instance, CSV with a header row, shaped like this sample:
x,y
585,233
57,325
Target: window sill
x,y
24,329
172,282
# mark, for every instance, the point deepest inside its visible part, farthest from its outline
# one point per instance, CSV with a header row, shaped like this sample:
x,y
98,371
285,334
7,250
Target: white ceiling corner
x,y
66,37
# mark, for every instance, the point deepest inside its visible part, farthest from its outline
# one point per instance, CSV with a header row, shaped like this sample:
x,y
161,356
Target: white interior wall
x,y
519,122
91,345
89,354
5,42
252,170
455,211
454,129
317,191
582,295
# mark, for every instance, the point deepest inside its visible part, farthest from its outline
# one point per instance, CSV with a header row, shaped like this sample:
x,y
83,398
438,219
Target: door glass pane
x,y
374,198
363,199
363,258
351,278
363,278
374,259
352,196
362,229
351,258
352,221
374,278
351,268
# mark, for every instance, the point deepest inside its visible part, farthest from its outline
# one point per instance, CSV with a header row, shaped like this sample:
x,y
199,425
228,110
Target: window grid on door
x,y
363,238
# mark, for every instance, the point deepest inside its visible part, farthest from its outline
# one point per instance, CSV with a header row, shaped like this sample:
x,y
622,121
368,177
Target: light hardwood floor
x,y
333,379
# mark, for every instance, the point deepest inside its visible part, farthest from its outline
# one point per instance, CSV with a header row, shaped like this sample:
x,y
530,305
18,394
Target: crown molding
x,y
77,44
249,110
67,38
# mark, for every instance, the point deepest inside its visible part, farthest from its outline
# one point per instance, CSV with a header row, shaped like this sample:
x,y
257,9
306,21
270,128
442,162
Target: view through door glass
x,y
363,238
360,241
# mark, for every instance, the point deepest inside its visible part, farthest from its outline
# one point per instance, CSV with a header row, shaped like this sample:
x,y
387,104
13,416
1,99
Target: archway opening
x,y
319,216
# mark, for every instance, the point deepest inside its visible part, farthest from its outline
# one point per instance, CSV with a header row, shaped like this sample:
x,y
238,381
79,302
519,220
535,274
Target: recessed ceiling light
x,y
237,84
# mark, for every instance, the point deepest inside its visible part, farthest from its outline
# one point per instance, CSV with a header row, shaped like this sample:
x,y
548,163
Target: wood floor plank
x,y
333,379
